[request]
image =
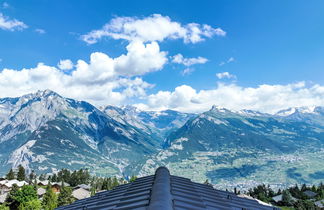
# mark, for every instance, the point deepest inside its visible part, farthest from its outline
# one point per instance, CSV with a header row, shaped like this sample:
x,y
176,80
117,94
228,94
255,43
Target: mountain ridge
x,y
45,131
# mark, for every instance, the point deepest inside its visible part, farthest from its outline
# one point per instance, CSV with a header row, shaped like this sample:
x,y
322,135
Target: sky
x,y
182,55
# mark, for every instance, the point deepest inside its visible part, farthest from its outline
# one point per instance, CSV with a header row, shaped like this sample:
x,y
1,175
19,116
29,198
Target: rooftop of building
x,y
163,191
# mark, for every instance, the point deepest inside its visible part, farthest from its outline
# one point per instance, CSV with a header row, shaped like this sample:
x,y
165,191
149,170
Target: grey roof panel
x,y
163,191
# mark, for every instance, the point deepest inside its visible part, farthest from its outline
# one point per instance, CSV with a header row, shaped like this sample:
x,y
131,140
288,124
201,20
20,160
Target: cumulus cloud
x,y
152,28
103,80
65,64
265,98
187,71
140,59
179,59
224,75
230,60
11,24
40,31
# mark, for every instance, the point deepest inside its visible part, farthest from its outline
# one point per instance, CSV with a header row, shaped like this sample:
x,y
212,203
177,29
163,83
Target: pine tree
x,y
115,182
32,176
105,184
21,175
65,197
54,178
50,199
287,198
35,185
92,191
42,177
10,175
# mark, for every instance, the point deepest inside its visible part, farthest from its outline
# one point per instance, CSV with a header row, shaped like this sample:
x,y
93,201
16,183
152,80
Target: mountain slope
x,y
158,124
25,120
46,132
231,147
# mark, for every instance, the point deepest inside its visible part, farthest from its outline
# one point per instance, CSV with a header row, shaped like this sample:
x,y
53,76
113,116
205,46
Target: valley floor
x,y
245,170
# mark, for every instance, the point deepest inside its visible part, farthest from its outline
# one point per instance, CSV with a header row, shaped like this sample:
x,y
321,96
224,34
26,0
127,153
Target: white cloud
x,y
187,71
230,60
224,75
96,88
265,98
152,28
65,64
11,24
140,59
5,5
103,80
179,59
40,31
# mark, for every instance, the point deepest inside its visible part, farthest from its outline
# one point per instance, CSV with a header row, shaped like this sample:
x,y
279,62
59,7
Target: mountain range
x,y
45,132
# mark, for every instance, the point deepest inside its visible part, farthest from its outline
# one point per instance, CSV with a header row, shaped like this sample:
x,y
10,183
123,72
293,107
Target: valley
x,y
45,132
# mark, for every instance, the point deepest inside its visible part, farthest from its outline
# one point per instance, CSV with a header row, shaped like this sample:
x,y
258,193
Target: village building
x,y
278,198
40,192
310,194
81,193
42,183
6,185
83,186
56,186
319,204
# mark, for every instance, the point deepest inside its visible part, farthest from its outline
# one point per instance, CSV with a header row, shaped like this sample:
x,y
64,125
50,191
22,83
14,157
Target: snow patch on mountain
x,y
177,144
293,110
23,155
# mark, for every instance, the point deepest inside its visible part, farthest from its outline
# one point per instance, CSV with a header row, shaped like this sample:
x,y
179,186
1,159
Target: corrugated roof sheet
x,y
163,191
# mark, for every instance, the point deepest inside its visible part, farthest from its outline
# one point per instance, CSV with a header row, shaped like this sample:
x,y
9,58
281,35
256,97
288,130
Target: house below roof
x,y
6,185
310,194
83,186
319,204
80,193
278,198
43,183
40,191
165,192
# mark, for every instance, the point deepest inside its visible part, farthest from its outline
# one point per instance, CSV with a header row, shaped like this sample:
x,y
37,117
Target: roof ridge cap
x,y
161,198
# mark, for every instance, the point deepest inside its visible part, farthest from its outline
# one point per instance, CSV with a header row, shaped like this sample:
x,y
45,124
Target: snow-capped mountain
x,y
157,123
294,110
45,132
229,147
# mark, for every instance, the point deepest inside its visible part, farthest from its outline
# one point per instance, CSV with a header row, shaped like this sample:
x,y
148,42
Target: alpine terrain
x,y
45,132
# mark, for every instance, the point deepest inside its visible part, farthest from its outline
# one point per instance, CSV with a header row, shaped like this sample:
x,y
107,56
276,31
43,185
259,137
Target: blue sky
x,y
262,49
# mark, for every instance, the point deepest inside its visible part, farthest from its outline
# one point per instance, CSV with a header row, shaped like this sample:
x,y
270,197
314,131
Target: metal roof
x,y
310,193
165,192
